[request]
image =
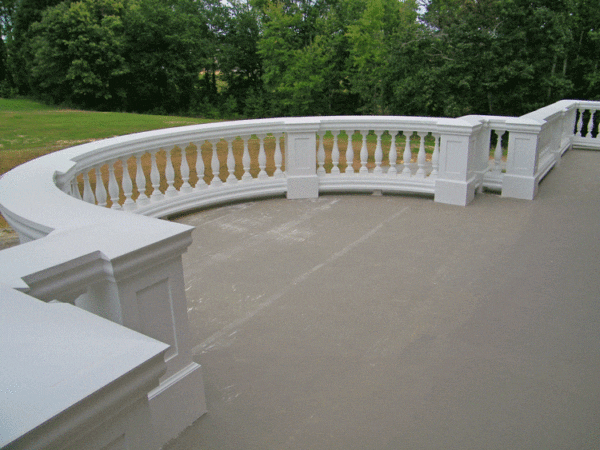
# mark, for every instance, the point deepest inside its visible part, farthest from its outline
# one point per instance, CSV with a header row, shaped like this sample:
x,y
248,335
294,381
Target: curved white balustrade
x,y
127,267
181,169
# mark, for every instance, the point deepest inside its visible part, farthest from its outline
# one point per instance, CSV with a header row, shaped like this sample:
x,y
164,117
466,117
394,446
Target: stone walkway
x,y
391,322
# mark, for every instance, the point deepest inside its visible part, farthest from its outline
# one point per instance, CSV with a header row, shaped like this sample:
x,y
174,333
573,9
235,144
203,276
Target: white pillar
x,y
520,180
134,278
301,158
457,176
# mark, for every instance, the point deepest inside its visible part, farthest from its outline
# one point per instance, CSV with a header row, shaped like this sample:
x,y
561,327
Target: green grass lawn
x,y
30,129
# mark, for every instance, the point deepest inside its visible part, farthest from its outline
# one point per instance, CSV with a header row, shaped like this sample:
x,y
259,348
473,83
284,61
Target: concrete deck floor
x,y
391,322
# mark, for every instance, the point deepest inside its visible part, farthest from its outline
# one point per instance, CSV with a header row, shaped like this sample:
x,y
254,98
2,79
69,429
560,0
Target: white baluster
x,y
349,156
230,162
392,171
215,165
262,158
278,157
498,152
378,154
590,124
579,123
75,189
407,155
364,152
200,184
170,175
435,158
321,154
247,176
335,153
185,173
140,182
155,179
127,185
421,157
113,186
100,189
88,195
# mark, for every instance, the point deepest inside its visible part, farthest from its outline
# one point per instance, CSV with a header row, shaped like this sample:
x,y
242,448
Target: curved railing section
x,y
165,172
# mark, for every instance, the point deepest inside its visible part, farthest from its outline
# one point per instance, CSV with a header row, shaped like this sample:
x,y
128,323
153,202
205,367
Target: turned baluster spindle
x,y
140,181
127,185
321,154
335,153
155,179
262,158
100,189
364,152
247,176
349,156
113,186
590,124
230,162
278,157
170,175
201,183
215,165
498,152
75,189
421,157
392,171
435,157
407,155
88,195
185,172
378,154
579,126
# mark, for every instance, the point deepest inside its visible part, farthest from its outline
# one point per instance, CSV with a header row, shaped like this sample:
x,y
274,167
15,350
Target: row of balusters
x,y
380,159
121,190
588,123
117,188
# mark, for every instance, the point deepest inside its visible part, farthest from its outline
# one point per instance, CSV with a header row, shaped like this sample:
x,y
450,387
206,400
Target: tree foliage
x,y
302,57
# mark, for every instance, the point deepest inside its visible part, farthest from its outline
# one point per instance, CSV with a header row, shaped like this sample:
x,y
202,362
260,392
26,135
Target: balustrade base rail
x,y
84,208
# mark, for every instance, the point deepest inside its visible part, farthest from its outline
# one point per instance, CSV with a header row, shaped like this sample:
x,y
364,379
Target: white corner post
x,y
301,158
142,288
153,302
457,178
521,178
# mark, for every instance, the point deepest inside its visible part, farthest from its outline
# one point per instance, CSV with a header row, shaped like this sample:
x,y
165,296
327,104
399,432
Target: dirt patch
x,y
8,238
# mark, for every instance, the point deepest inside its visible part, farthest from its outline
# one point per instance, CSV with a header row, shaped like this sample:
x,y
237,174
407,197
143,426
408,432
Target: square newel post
x,y
301,158
151,293
521,180
130,271
457,177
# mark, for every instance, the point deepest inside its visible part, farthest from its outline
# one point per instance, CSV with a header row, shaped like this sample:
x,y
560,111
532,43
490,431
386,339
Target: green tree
x,y
165,47
238,58
304,51
382,27
19,17
78,53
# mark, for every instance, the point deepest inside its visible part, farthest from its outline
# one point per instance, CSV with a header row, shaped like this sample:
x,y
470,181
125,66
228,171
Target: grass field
x,y
30,129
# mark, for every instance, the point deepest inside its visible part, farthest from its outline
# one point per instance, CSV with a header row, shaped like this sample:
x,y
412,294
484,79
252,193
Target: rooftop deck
x,y
395,322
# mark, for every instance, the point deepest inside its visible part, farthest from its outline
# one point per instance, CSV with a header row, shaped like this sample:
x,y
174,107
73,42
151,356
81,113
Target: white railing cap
x,y
58,356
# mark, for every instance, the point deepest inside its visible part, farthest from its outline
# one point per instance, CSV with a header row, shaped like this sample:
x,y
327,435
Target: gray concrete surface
x,y
390,322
